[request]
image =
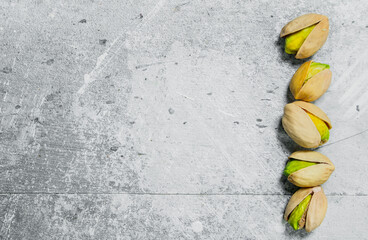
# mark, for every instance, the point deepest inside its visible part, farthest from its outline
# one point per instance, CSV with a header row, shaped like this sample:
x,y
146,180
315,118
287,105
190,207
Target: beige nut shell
x,y
314,88
300,127
313,175
317,209
315,39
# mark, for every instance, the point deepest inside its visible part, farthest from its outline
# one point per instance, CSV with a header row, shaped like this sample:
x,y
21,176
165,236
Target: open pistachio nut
x,y
305,35
308,168
310,81
306,208
306,124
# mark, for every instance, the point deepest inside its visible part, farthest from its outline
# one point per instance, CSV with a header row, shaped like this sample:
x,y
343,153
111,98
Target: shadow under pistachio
x,y
301,233
289,96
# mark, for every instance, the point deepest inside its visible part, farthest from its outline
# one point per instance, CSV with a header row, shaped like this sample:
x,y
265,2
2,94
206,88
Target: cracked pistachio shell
x,y
300,127
313,175
314,88
316,210
315,39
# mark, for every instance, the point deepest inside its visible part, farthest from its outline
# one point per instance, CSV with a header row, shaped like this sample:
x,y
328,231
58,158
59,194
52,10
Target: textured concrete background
x,y
161,119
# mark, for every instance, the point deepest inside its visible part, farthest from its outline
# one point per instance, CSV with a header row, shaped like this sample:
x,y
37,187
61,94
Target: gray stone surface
x,y
161,119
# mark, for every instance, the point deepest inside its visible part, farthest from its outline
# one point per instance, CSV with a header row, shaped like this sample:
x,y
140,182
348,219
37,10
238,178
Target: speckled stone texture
x,y
161,119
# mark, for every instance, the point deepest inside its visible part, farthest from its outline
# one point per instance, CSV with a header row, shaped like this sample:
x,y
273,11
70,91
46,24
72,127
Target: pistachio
x,y
308,168
306,208
306,124
305,35
310,81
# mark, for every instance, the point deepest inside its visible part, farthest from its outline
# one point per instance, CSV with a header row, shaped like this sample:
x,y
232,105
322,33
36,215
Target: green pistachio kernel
x,y
314,69
298,212
321,127
294,41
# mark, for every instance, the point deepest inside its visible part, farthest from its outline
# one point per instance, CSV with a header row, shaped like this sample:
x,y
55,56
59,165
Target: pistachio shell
x,y
314,88
315,39
310,156
301,22
300,127
313,175
316,111
298,78
317,206
317,209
